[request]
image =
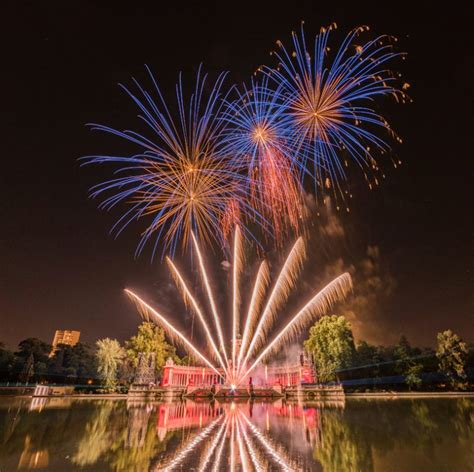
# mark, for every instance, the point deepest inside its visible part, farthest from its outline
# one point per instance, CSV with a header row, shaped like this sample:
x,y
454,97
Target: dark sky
x,y
61,62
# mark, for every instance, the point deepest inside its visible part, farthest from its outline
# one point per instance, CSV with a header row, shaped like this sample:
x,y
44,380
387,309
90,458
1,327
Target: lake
x,y
62,434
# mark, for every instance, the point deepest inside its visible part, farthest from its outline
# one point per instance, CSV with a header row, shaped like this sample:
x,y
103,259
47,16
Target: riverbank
x,y
365,395
395,395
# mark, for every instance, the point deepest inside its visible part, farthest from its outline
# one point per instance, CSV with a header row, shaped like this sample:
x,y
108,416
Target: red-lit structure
x,y
183,376
284,376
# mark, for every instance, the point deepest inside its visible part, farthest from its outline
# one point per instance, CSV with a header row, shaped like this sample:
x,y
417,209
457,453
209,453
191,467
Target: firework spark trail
x,y
218,458
189,299
317,306
253,455
171,330
181,456
220,435
210,296
279,295
178,179
259,287
279,193
236,269
330,102
257,136
279,459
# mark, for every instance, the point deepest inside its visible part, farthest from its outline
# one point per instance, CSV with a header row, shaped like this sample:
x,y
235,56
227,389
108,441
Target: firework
x,y
236,270
179,181
190,300
317,306
174,333
257,324
285,282
256,136
330,101
258,293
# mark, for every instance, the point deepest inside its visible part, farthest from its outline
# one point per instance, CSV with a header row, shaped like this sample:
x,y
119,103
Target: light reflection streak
x,y
284,463
251,449
219,436
235,441
242,451
178,458
218,459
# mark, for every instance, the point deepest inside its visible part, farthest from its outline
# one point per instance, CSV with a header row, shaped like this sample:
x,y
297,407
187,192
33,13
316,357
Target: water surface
x,y
355,435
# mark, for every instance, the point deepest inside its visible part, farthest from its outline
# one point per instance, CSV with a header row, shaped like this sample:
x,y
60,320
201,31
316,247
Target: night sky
x,y
61,62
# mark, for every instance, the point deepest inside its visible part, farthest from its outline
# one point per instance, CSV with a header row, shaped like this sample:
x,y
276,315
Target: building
x,y
71,338
204,377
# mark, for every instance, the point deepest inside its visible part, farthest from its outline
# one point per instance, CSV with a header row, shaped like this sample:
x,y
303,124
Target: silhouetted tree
x,y
331,344
452,356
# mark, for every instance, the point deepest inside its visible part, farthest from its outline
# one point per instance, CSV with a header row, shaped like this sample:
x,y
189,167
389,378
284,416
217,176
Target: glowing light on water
x,y
190,446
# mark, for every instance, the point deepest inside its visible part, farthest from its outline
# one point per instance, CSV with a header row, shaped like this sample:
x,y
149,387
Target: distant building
x,y
71,338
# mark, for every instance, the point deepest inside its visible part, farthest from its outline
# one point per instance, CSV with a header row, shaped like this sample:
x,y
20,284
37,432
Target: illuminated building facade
x,y
190,376
71,338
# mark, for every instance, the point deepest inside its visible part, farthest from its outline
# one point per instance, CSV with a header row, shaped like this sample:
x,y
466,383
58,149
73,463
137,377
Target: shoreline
x,y
400,395
365,395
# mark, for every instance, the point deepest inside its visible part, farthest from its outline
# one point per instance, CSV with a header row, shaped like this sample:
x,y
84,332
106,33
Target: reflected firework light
x,y
251,448
283,462
190,446
218,439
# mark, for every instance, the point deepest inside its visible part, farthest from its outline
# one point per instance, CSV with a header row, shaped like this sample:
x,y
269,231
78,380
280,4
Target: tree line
x,y
330,344
106,363
401,366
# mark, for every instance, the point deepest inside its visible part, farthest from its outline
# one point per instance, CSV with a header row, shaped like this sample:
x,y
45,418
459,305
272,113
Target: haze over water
x,y
351,435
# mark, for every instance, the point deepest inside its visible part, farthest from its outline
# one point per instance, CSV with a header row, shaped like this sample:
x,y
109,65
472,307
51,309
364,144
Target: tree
x,y
406,364
32,358
452,355
6,361
109,356
332,346
150,338
413,377
76,361
34,346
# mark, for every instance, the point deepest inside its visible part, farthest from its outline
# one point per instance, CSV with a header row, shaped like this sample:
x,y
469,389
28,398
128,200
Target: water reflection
x,y
359,435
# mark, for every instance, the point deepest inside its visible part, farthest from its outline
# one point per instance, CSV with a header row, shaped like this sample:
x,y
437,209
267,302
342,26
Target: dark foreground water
x,y
355,435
